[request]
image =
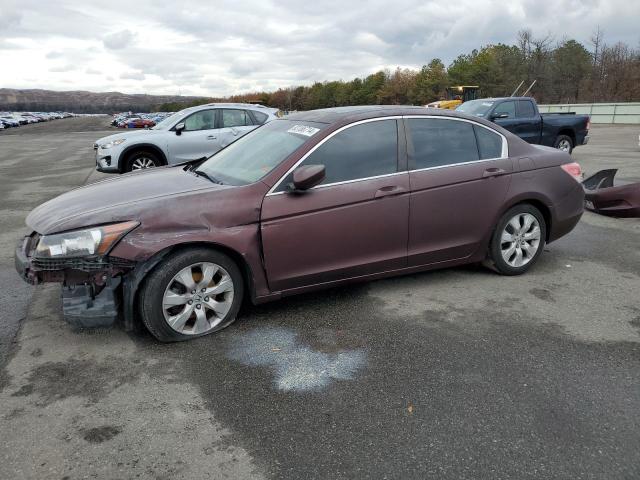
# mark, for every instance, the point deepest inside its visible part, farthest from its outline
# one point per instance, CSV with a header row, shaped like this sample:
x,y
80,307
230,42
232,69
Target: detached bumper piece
x,y
83,308
605,197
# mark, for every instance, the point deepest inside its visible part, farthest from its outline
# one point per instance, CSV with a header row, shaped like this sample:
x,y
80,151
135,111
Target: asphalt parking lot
x,y
458,374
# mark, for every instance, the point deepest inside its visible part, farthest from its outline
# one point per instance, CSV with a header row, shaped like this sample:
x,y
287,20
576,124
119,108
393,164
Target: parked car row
x,y
138,120
186,135
16,119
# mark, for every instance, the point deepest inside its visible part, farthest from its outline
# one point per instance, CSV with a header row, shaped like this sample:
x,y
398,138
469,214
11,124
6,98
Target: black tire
x,y
141,154
153,289
564,140
496,260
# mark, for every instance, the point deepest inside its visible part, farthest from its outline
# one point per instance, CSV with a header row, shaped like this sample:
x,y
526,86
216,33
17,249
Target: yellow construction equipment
x,y
455,96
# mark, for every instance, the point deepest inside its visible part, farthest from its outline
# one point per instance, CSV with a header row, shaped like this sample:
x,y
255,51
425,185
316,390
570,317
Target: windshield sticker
x,y
303,130
487,104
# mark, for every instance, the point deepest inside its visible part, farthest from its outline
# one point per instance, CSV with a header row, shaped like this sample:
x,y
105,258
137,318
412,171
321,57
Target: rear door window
x,y
235,118
506,107
489,143
525,109
441,142
260,117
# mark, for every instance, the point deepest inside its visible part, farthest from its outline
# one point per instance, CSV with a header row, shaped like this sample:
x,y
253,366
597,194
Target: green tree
x,y
571,64
429,83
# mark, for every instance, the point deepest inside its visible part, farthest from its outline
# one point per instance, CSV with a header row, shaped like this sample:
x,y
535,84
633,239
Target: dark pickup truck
x,y
520,115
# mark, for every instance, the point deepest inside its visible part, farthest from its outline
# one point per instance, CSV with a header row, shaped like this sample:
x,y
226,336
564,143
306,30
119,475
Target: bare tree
x,y
597,41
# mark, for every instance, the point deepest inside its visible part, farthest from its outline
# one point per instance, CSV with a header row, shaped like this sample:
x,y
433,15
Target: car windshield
x,y
253,156
167,122
478,108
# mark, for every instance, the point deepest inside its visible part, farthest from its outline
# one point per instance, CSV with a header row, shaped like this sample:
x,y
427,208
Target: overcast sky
x,y
218,48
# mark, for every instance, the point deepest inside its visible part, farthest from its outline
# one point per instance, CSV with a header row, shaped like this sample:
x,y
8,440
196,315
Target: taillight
x,y
574,170
589,124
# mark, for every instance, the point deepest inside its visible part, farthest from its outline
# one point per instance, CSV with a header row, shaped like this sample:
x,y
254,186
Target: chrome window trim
x,y
272,191
504,153
505,144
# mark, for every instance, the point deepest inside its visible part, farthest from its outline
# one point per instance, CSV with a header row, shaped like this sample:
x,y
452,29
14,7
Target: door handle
x,y
493,172
388,191
211,137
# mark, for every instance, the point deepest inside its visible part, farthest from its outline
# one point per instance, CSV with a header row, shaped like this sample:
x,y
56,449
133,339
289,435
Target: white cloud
x,y
219,48
132,76
118,40
62,68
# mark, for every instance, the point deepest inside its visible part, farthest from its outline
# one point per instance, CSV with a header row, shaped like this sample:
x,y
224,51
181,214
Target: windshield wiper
x,y
208,177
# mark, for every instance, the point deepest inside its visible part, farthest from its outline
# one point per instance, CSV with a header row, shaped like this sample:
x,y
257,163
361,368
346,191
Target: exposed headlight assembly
x,y
112,143
82,243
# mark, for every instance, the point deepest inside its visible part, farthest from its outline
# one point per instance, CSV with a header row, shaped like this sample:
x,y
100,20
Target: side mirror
x,y
307,177
179,128
499,115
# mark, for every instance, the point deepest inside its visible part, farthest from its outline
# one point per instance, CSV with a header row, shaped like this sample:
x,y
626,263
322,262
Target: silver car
x,y
189,134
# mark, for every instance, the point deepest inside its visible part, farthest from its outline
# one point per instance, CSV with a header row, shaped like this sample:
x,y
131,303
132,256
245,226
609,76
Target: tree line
x,y
564,71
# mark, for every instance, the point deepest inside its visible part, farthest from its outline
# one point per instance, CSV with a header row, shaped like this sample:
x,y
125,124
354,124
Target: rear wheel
x,y
141,160
192,293
518,240
564,143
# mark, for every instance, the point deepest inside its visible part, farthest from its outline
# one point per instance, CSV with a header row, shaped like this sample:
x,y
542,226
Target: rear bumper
x,y
585,140
605,196
567,213
620,206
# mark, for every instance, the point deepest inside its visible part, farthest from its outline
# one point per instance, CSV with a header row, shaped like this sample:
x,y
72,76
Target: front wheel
x,y
564,143
141,160
518,240
192,293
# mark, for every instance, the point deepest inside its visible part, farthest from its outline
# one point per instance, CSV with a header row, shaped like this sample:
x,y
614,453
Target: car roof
x,y
250,106
494,99
243,105
363,112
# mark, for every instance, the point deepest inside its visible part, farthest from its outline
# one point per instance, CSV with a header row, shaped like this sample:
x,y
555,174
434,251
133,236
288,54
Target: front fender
x,y
138,146
149,248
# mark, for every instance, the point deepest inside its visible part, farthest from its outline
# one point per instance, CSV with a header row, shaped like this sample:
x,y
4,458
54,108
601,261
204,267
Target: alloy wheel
x,y
564,145
198,298
142,162
520,240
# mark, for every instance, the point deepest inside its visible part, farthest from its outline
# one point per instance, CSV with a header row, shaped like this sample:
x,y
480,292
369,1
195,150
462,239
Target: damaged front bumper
x,y
91,286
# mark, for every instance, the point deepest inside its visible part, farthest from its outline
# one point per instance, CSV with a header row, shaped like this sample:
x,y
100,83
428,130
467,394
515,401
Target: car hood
x,y
129,134
123,198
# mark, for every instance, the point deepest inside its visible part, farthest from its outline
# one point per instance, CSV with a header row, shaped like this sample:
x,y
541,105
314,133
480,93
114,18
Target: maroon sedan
x,y
318,199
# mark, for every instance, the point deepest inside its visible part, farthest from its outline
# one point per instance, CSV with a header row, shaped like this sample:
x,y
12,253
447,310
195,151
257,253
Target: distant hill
x,y
84,102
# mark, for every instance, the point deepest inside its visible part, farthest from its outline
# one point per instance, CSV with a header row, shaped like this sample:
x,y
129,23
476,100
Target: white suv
x,y
189,134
